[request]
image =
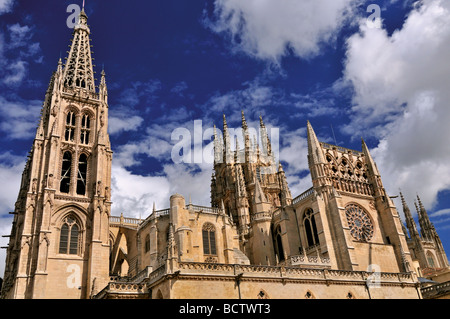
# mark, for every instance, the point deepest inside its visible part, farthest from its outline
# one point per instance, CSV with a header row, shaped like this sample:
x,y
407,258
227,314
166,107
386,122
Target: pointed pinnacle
x,y
244,122
417,207
402,198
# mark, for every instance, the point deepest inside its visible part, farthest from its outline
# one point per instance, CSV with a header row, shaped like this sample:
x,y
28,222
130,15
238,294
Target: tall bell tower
x,y
58,246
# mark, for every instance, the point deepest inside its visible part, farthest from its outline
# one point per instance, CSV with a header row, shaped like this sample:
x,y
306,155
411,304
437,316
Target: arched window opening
x,y
430,260
280,248
209,239
309,224
70,126
69,237
147,243
66,168
81,175
85,129
279,244
309,236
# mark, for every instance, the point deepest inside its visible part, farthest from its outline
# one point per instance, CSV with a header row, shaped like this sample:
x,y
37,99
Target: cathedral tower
x,y
59,238
244,174
359,223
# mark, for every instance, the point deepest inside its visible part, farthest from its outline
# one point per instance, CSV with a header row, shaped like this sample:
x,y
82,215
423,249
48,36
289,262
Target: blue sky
x,y
170,63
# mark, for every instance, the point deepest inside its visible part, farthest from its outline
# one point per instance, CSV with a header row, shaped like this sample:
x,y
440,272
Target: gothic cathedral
x,y
341,238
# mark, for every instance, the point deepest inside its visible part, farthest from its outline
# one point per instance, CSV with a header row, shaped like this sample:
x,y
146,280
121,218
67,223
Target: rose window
x,y
361,226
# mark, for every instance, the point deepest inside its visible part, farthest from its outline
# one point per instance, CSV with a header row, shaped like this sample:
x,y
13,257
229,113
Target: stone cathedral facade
x,y
342,238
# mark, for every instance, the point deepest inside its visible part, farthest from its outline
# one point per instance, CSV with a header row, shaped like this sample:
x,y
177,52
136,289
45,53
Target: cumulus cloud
x,y
401,96
133,195
119,124
271,29
19,118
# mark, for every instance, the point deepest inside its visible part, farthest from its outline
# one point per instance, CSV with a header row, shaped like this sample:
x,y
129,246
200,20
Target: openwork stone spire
x,y
79,69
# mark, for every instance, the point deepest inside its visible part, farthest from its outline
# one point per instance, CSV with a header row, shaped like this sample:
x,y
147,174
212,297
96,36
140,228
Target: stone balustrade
x,y
282,272
303,196
203,209
436,290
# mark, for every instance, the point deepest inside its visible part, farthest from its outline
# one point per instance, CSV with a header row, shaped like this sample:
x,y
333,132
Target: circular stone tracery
x,y
361,226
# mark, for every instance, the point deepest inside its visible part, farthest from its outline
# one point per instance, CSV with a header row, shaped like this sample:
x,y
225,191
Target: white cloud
x,y
16,53
293,151
16,72
19,35
11,168
19,119
6,6
5,229
133,195
269,29
441,212
401,98
119,124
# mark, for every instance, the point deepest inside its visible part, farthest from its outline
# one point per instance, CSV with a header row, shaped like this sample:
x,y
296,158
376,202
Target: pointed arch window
x,y
66,168
81,174
85,129
69,240
209,239
70,126
147,243
279,244
430,260
309,224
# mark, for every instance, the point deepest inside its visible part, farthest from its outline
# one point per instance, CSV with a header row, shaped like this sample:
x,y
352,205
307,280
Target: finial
x,y
401,195
261,123
244,122
420,202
